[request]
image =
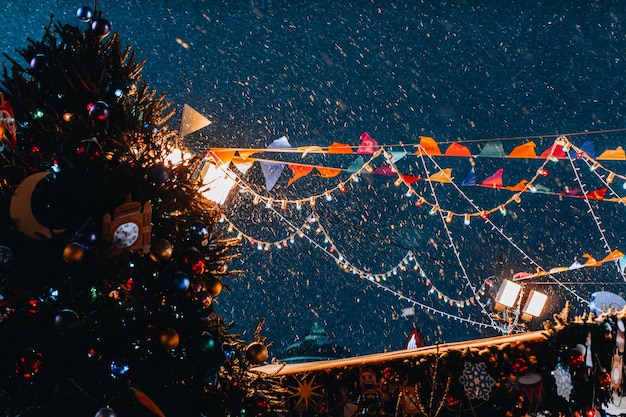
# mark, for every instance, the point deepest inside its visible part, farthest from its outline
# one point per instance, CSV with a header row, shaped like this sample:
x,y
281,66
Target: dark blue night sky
x,y
320,72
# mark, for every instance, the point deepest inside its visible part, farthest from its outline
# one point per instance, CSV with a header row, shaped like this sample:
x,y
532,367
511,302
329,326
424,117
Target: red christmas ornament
x,y
520,366
194,260
575,359
29,364
452,402
389,374
604,380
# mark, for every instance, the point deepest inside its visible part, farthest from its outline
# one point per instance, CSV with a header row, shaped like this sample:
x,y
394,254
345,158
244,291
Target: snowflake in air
x,y
476,381
563,381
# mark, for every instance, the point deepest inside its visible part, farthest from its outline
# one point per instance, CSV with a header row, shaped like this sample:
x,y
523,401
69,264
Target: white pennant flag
x,y
409,311
191,121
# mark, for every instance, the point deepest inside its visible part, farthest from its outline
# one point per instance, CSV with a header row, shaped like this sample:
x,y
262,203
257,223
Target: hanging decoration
x,y
476,381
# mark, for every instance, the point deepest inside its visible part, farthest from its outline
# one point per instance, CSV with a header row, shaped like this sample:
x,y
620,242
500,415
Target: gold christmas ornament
x,y
73,253
169,338
161,250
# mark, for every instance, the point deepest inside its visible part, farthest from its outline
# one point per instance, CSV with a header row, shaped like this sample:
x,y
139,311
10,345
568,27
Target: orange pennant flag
x,y
526,150
614,154
245,154
445,175
616,254
591,261
339,148
328,172
456,149
429,146
299,171
223,156
520,186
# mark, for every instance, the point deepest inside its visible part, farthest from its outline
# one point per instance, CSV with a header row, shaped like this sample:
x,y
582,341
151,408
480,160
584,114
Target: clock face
x,y
125,235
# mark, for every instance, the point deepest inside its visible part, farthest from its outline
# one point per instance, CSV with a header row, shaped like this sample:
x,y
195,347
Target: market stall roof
x,y
277,369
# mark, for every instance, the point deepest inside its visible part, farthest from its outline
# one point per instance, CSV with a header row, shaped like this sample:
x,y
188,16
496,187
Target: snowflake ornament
x,y
476,381
563,382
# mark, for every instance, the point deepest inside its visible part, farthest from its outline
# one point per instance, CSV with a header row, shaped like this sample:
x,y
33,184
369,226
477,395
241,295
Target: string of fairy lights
x,y
312,228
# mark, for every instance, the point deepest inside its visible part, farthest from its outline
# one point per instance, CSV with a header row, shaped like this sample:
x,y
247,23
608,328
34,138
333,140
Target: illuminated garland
x,y
447,216
519,189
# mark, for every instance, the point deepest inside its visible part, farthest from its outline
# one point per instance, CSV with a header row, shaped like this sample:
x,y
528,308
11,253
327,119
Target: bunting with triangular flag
x,y
272,170
192,121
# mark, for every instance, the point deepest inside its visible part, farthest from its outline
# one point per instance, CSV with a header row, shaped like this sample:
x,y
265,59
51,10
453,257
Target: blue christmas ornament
x,y
119,369
105,412
84,14
181,281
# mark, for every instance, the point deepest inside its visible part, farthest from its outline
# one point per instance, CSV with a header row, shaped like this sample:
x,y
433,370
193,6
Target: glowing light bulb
x,y
419,202
466,220
398,182
594,167
484,215
433,210
312,202
342,187
268,205
532,188
610,178
449,217
502,210
517,199
283,205
329,196
256,200
298,205
409,192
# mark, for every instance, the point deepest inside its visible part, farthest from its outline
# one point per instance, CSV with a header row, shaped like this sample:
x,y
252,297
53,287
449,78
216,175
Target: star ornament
x,y
305,392
476,381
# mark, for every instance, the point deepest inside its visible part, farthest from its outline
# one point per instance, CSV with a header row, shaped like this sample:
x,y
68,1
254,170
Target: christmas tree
x,y
109,262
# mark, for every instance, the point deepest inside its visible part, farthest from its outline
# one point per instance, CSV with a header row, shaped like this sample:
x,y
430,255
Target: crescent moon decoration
x,y
21,210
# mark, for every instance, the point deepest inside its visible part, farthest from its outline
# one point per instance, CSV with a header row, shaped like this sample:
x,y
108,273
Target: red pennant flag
x,y
384,170
595,195
456,149
556,150
494,180
410,179
368,145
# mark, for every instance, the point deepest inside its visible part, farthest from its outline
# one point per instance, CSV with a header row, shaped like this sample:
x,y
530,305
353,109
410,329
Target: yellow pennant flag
x,y
445,175
192,121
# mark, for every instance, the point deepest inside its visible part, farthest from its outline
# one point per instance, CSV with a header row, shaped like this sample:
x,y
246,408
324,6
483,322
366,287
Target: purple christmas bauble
x,y
158,174
66,321
101,27
39,63
99,111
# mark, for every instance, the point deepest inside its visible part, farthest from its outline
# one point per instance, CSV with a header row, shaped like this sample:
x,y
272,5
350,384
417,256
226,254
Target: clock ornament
x,y
129,228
